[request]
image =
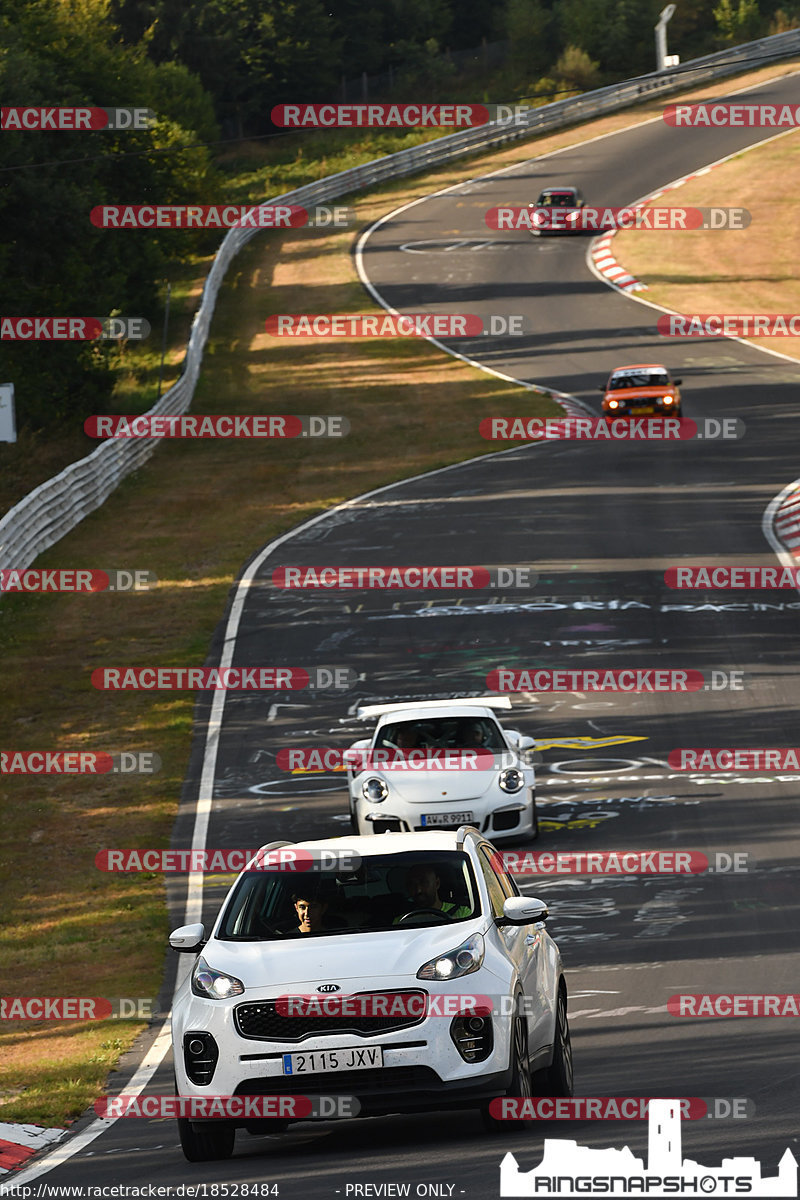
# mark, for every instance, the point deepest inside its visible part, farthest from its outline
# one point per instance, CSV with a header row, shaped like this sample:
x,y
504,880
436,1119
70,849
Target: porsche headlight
x,y
214,985
463,960
511,779
375,789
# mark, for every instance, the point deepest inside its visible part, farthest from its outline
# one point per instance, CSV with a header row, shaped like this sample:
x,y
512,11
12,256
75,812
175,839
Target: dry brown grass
x,y
752,270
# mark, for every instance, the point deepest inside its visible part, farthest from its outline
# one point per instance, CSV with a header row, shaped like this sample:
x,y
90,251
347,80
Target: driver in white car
x,y
422,886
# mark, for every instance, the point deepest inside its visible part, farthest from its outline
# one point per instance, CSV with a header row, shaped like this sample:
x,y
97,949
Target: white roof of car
x,y
424,707
387,843
453,710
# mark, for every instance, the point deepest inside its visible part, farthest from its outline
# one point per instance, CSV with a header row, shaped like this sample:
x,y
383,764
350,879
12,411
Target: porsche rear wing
x,y
366,711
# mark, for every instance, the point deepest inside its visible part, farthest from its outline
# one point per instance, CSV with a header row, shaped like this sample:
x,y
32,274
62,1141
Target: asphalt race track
x,y
599,523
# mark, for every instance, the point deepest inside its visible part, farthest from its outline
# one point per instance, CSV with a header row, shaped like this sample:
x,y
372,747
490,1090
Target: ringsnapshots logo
x,y
741,325
74,119
293,859
614,429
270,426
220,216
410,578
567,1169
231,679
717,115
73,329
75,579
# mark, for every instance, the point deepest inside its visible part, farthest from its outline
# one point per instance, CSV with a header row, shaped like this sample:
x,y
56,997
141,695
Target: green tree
x,y
53,261
576,70
738,20
528,25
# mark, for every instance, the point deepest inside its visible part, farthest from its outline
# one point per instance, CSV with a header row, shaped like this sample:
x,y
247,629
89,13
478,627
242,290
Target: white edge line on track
x,y
161,1045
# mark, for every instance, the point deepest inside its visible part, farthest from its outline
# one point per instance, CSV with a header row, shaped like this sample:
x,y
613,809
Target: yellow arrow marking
x,y
586,743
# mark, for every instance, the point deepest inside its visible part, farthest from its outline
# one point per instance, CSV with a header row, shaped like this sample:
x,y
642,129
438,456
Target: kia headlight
x,y
375,789
465,959
511,779
214,985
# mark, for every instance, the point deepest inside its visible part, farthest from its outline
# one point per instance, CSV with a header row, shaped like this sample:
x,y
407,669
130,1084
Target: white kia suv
x,y
405,973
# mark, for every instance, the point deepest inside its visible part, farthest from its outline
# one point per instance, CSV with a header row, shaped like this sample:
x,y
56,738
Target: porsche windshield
x,y
387,891
451,733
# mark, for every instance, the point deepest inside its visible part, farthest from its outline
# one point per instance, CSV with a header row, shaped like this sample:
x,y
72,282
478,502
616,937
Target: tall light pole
x,y
661,36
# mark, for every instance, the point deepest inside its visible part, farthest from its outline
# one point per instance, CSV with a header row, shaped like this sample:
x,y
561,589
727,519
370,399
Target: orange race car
x,y
641,389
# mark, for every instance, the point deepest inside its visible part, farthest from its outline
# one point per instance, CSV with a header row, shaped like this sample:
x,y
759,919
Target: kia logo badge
x,y
329,987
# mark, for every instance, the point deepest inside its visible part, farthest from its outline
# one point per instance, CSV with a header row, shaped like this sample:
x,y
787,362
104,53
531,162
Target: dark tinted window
x,y
262,904
453,733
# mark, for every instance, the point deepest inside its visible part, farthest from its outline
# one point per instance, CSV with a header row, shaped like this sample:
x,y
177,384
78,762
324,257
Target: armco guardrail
x,y
44,516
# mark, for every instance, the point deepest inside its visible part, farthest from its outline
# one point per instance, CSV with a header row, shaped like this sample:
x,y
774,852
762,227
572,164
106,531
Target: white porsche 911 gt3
x,y
440,765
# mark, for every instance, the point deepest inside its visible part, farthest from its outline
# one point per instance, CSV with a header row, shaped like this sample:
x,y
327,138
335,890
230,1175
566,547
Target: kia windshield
x,y
385,891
